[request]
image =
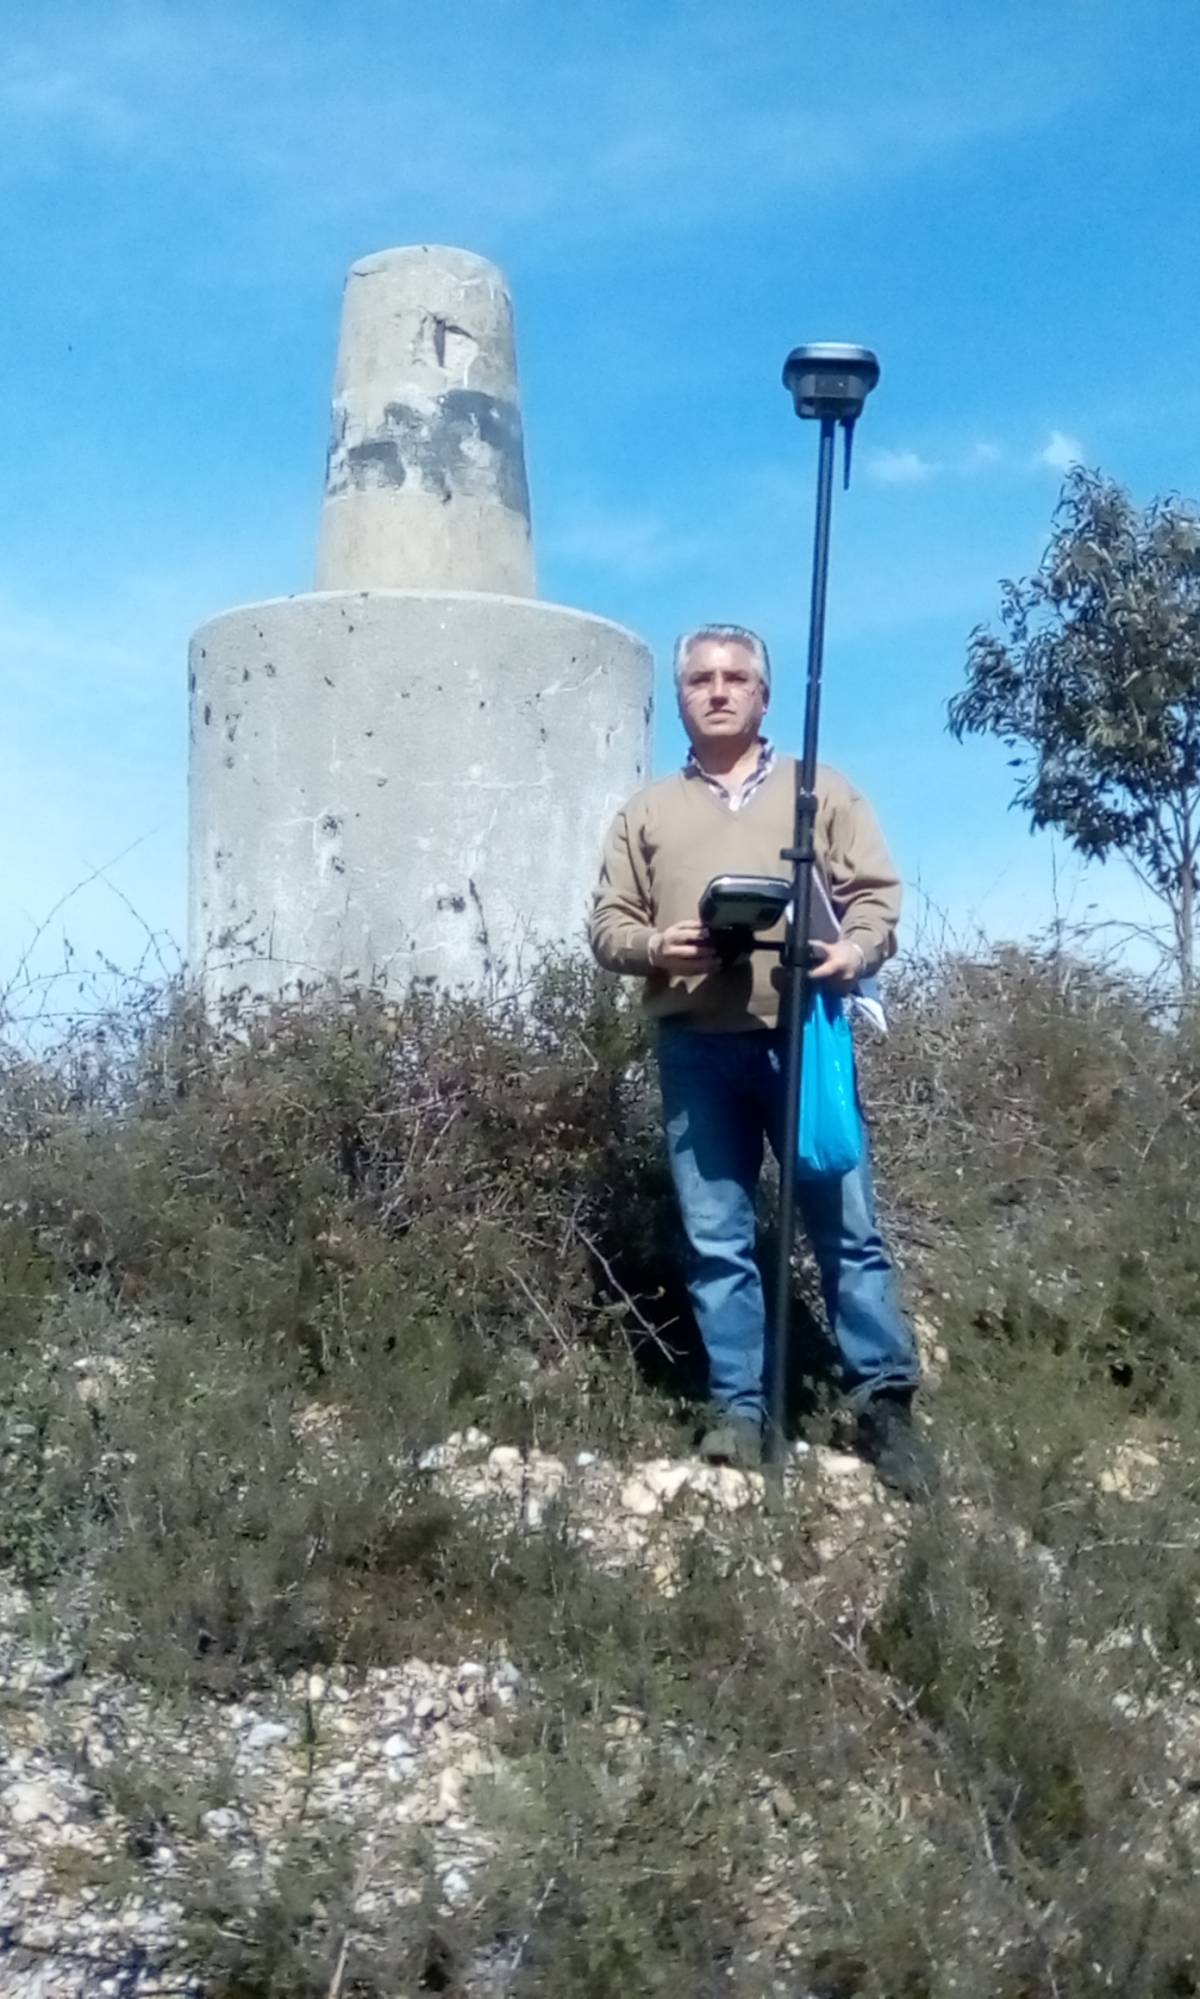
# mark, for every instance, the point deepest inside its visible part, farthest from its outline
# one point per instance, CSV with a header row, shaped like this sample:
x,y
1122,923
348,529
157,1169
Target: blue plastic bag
x,y
830,1126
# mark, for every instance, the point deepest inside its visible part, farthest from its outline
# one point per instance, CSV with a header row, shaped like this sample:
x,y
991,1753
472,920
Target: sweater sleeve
x,y
863,881
622,911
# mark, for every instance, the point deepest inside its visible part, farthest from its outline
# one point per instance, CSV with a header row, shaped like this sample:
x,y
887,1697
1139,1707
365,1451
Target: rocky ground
x,y
400,1757
124,1810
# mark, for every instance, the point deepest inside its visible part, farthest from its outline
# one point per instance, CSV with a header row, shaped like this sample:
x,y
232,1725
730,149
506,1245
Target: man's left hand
x,y
840,965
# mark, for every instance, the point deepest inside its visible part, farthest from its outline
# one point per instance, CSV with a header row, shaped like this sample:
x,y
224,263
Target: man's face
x,y
722,695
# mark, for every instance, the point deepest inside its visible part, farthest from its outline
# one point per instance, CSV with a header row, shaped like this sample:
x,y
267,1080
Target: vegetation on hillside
x,y
382,1223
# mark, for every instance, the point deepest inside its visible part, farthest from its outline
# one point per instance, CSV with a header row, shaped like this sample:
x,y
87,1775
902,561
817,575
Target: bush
x,y
249,1274
306,1250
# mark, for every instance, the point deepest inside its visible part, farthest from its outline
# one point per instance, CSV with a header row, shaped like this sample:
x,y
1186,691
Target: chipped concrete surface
x,y
410,771
425,483
401,795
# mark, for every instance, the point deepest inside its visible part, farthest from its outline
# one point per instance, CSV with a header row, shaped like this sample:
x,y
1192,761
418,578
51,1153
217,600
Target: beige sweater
x,y
672,838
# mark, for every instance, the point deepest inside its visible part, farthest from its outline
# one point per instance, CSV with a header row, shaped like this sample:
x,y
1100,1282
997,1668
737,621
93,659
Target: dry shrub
x,y
247,1276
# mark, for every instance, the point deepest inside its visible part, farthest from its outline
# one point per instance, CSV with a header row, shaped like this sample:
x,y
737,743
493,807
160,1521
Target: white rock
x,y
447,1799
585,1458
726,1487
455,1885
741,1488
30,1801
666,1479
625,1725
398,1745
457,1446
665,1574
450,1789
220,1822
1117,1641
637,1497
504,1459
316,1687
1133,1472
267,1735
841,1464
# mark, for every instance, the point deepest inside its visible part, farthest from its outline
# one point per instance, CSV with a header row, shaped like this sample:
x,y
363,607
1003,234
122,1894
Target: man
x,y
730,811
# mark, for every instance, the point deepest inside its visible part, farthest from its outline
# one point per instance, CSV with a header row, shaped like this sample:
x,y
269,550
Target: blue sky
x,y
1001,200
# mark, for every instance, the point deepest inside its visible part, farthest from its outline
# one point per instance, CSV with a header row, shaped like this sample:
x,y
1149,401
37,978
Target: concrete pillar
x,y
425,485
408,773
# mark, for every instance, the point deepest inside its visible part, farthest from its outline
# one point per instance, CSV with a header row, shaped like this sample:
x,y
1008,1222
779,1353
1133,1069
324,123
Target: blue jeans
x,y
722,1094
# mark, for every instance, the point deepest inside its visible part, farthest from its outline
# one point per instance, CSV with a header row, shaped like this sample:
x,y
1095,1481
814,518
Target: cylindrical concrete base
x,y
397,784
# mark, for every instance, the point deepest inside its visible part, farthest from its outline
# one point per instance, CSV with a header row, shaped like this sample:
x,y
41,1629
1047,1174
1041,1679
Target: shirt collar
x,y
766,750
766,758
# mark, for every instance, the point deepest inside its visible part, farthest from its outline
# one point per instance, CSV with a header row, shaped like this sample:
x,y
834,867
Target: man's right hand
x,y
684,948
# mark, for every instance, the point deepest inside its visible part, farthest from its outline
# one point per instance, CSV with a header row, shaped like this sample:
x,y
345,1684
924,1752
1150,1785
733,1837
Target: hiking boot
x,y
889,1439
737,1441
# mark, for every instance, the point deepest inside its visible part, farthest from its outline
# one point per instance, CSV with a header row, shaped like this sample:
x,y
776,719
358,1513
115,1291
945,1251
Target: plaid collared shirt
x,y
746,790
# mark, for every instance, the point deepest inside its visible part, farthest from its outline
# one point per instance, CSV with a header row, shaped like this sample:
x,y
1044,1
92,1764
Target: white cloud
x,y
1060,452
983,452
900,468
41,95
599,132
80,83
906,467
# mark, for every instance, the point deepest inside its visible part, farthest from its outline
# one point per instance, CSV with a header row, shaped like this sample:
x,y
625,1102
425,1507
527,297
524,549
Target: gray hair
x,y
726,635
